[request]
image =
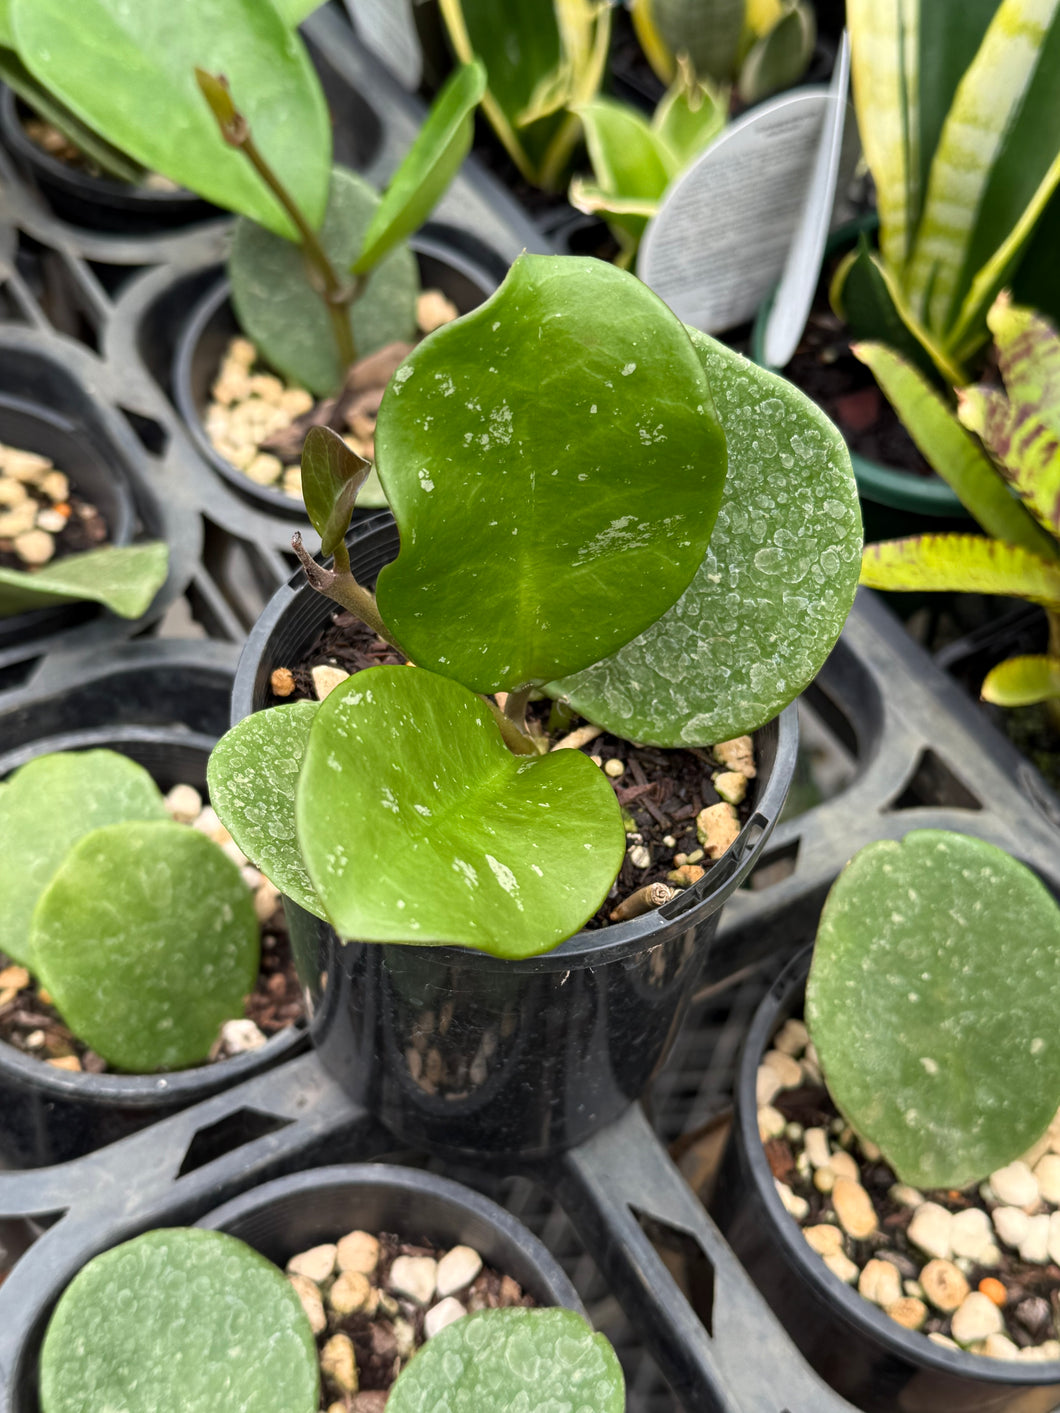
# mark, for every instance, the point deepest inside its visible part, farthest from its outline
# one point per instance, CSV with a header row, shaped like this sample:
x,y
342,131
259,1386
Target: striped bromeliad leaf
x,y
964,564
1028,351
1022,681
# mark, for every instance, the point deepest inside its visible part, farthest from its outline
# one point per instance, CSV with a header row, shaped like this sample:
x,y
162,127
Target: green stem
x,y
517,741
516,704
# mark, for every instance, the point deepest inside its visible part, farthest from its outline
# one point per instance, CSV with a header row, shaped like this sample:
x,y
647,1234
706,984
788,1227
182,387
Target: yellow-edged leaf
x,y
1028,350
968,564
1027,449
663,63
1022,681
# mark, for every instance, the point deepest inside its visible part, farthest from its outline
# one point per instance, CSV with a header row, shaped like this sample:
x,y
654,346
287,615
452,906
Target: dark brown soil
x,y
85,529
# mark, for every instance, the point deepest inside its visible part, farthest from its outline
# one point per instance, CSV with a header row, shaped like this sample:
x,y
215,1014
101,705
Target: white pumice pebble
x,y
446,1312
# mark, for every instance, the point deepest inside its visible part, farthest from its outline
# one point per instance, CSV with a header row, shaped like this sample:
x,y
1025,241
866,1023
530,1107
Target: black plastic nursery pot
x,y
864,1354
463,1054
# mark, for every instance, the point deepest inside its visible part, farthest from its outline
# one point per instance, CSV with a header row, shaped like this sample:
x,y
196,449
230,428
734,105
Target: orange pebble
x,y
63,509
993,1290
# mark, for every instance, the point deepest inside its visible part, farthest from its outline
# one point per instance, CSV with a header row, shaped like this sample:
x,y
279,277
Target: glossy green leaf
x,y
427,168
779,59
154,111
1022,681
147,939
773,590
7,33
936,1043
123,578
253,775
512,1361
283,314
967,564
179,1321
630,161
332,474
49,803
690,115
417,824
955,456
567,425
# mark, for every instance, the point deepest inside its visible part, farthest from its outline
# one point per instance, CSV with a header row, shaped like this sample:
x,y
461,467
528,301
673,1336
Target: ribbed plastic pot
x,y
461,1053
864,1354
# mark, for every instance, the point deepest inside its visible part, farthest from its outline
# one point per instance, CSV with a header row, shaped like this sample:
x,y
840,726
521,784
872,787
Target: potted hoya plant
x,y
600,508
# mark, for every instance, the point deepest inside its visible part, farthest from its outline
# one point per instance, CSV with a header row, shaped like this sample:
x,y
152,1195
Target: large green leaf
x,y
772,592
427,168
293,12
49,803
128,71
179,1321
967,564
146,938
253,775
417,824
567,424
512,1361
1022,681
124,578
283,314
937,1043
957,457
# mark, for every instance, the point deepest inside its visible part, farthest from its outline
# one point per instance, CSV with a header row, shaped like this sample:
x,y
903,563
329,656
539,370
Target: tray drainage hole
x,y
228,1134
692,1269
776,865
151,434
934,783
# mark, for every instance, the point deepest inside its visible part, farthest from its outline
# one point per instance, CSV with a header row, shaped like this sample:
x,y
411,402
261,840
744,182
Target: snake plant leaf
x,y
253,775
127,1333
774,588
869,303
630,160
332,474
504,1360
48,804
147,939
281,312
572,530
967,564
690,115
417,824
1026,447
156,113
1028,351
955,456
123,578
427,168
708,31
1023,681
936,1043
779,58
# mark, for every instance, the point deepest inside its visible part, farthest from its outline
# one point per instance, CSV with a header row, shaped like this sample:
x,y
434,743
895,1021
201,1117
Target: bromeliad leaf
x,y
1027,449
1028,353
332,474
568,428
407,782
533,1360
123,578
925,1027
963,563
1022,681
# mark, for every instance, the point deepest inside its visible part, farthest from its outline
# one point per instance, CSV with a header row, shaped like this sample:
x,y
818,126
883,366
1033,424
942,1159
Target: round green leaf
x,y
512,1361
47,806
774,588
179,1321
147,940
417,824
128,71
252,775
283,313
124,578
554,465
934,1004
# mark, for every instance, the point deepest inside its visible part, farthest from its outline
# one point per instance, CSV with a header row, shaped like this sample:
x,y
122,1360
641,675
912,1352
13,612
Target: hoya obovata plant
x,y
595,503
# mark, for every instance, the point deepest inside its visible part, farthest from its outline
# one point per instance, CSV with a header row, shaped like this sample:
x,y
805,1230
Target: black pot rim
x,y
909,1345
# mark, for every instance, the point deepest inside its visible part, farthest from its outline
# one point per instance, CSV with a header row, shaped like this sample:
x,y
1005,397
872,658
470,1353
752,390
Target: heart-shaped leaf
x,y
156,113
417,824
124,578
332,474
937,1043
179,1321
284,315
512,1361
772,592
47,805
567,424
252,775
427,168
147,940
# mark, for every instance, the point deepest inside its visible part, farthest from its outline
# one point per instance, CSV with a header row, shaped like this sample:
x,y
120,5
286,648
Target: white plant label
x,y
720,238
388,29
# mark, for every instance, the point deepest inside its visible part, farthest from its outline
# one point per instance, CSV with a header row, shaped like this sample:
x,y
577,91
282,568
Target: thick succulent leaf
x,y
1028,352
568,425
126,1334
332,474
283,314
418,825
156,113
967,564
708,31
48,804
253,775
779,58
772,592
147,939
690,115
7,33
955,456
123,578
1027,449
925,1027
512,1359
427,168
1022,681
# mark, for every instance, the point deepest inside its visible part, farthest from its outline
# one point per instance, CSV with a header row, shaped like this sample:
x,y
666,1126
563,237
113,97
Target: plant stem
x,y
517,741
343,589
516,704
